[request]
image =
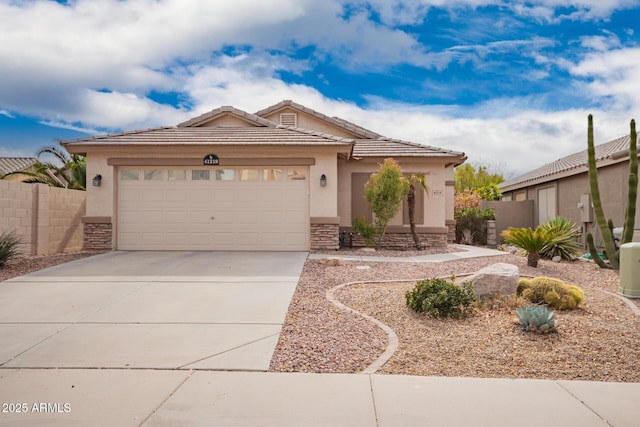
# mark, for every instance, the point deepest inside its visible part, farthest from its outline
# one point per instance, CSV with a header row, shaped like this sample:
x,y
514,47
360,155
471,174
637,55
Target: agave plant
x,y
536,318
562,236
531,241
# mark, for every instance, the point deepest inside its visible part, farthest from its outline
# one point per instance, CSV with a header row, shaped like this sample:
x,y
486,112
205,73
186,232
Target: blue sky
x,y
509,83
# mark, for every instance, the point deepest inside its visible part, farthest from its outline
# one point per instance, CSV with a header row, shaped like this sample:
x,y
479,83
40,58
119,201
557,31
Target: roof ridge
x,y
317,133
415,144
338,121
603,151
194,122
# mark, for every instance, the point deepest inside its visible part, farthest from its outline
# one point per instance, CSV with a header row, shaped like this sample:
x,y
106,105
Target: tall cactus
x,y
630,214
606,229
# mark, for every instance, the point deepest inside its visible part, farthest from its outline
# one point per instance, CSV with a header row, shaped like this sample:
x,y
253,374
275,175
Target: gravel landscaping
x,y
28,264
599,341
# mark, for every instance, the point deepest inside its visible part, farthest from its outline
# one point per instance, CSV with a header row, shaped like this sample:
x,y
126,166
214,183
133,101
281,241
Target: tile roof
x,y
384,147
279,135
614,150
337,121
14,164
203,118
266,132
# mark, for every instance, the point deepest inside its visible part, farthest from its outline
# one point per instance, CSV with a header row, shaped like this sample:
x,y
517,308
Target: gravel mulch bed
x,y
29,264
599,342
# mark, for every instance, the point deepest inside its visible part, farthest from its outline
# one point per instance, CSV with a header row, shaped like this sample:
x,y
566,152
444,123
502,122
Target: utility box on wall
x,y
630,270
586,210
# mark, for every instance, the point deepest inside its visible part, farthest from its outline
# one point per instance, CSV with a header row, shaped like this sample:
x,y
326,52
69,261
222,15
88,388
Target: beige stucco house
x,y
285,178
562,188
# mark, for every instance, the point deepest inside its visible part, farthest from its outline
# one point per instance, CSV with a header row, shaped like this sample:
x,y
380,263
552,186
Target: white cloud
x,y
615,75
91,65
601,43
67,126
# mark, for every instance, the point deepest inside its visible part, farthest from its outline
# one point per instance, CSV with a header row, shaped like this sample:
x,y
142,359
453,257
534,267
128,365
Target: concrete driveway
x,y
160,310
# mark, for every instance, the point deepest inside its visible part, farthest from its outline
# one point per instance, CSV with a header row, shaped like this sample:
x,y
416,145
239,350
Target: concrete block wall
x,y
16,207
66,209
48,220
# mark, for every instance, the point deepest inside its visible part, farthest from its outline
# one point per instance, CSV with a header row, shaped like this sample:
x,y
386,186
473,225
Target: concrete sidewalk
x,y
121,397
464,252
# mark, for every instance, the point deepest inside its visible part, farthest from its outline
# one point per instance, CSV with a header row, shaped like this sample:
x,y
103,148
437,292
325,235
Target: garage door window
x,y
248,174
200,175
225,174
272,174
177,174
129,175
152,175
296,175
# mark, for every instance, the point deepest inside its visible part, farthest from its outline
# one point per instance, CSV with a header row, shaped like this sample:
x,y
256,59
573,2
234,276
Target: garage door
x,y
213,208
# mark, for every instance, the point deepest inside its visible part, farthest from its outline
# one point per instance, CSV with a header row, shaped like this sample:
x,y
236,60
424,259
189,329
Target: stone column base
x,y
98,233
325,236
451,234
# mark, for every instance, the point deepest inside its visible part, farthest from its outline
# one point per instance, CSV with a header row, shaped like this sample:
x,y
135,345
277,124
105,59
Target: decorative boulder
x,y
499,278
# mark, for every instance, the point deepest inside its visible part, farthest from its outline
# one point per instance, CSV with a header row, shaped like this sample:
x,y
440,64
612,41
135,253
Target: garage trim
x,y
164,161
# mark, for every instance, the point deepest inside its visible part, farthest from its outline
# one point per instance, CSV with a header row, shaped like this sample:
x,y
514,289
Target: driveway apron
x,y
156,310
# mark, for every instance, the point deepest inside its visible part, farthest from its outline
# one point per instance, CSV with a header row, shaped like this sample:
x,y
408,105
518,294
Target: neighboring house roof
x,y
387,147
614,151
336,121
279,135
15,164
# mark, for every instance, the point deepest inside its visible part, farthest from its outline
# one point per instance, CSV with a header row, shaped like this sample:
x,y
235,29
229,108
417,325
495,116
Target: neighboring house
x,y
16,164
285,178
562,187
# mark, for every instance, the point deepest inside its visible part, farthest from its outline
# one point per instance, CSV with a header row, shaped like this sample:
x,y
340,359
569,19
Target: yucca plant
x,y
536,318
531,241
9,246
562,235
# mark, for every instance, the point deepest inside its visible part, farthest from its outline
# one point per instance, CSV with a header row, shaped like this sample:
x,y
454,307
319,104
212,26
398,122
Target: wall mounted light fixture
x,y
97,180
323,180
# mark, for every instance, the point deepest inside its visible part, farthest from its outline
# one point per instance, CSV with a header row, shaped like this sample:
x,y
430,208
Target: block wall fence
x,y
47,219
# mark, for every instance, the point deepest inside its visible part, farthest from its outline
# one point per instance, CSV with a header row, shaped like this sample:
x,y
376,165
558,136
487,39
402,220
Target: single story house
x,y
285,178
562,188
12,165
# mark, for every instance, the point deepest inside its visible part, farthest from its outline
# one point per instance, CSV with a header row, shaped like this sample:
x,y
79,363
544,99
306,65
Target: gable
x,y
227,116
289,113
228,120
291,117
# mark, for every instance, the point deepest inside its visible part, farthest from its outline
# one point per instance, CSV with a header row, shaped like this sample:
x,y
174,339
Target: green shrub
x,y
366,230
441,298
474,220
547,290
9,244
536,318
562,238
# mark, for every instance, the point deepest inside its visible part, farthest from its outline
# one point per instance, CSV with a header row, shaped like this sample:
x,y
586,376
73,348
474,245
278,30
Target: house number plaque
x,y
211,160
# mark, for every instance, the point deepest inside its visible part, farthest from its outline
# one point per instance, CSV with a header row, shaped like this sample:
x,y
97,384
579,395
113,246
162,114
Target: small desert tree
x,y
385,191
421,180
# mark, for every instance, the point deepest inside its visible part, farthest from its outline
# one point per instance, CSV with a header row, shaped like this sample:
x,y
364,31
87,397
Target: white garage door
x,y
213,208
